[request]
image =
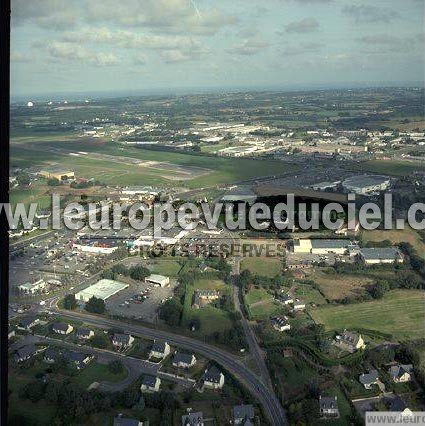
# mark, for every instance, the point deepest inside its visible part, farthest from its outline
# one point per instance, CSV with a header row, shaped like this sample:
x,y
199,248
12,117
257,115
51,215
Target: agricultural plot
x,y
264,266
399,312
338,286
261,305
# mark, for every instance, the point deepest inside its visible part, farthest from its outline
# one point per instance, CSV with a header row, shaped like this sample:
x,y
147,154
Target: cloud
x,y
370,14
169,16
302,49
139,59
312,1
387,43
129,39
306,25
69,52
248,47
179,55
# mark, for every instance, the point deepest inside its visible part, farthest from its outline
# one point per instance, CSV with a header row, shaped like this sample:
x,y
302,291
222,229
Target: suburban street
x,y
258,389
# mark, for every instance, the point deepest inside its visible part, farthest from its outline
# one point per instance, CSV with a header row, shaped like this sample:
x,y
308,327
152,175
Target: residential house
x,y
51,355
84,333
26,352
122,341
298,305
79,359
350,341
193,419
328,406
369,379
159,350
243,415
62,328
150,384
213,378
27,323
286,299
280,323
183,360
11,333
401,373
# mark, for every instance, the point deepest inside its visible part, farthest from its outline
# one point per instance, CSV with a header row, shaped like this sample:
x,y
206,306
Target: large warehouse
x,y
366,184
103,289
321,246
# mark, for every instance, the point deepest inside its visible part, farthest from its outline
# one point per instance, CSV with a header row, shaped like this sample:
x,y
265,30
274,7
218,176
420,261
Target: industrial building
x,y
376,255
57,173
103,289
158,280
366,184
32,288
321,246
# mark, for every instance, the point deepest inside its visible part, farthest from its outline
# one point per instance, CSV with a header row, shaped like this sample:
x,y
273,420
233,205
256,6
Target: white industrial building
x,y
95,248
322,246
366,184
103,289
158,280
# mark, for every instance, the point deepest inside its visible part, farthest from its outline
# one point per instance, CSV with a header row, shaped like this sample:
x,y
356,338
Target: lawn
x,y
399,312
308,294
211,319
265,266
338,286
407,235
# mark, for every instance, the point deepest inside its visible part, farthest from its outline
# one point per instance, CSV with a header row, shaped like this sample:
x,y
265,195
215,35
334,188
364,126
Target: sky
x,y
87,46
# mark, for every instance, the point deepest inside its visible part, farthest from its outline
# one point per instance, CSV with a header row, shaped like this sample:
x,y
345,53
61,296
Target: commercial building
x,y
32,288
321,246
366,184
158,280
376,255
103,289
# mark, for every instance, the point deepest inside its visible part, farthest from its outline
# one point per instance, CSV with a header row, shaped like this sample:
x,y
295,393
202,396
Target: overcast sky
x,y
144,45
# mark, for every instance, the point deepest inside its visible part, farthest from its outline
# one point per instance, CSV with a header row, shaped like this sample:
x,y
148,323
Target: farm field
x,y
165,267
391,167
399,312
337,286
265,266
211,319
407,235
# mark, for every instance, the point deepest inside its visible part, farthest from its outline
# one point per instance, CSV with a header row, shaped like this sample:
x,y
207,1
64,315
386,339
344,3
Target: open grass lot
x,y
337,286
407,235
399,312
265,266
96,372
308,294
211,319
165,267
392,167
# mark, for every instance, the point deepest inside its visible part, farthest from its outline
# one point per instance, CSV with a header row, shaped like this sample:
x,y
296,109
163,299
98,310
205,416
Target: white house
x,y
213,378
150,384
159,350
328,406
62,328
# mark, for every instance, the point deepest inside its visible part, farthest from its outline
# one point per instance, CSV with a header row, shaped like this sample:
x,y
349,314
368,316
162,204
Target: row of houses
x,y
400,373
241,415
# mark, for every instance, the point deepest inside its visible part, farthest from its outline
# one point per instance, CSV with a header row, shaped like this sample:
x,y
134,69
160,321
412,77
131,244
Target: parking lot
x,y
126,305
310,259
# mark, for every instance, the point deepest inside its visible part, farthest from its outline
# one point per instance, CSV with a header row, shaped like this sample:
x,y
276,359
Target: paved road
x,y
254,347
264,395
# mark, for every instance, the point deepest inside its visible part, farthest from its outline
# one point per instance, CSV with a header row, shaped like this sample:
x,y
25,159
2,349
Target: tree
x,y
100,341
171,312
69,302
139,273
95,305
116,367
53,182
23,179
129,397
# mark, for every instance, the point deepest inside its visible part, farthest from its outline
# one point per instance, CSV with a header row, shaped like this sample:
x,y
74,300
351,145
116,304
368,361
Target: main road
x,y
258,389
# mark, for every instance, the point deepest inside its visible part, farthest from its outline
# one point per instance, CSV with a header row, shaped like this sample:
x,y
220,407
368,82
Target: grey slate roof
x,y
124,339
181,357
25,352
193,419
369,378
60,326
380,253
244,412
397,371
328,403
149,381
125,421
83,332
158,346
329,244
212,375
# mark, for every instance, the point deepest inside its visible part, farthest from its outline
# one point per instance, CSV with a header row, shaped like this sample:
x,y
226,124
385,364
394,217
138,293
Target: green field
x,y
96,372
211,319
265,266
392,167
261,305
400,313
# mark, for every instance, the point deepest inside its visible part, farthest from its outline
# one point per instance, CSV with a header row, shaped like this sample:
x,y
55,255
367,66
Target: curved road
x,y
267,398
